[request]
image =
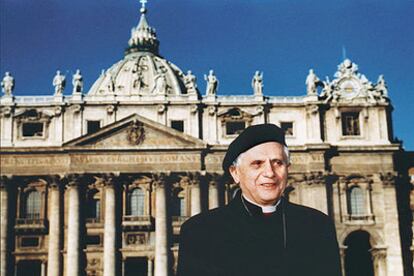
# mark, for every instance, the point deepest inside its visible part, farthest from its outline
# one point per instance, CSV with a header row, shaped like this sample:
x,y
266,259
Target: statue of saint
x,y
7,84
160,82
257,83
311,83
212,83
59,82
382,86
190,82
77,82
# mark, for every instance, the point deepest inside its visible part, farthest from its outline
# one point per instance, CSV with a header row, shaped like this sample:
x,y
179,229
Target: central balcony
x,y
137,222
31,225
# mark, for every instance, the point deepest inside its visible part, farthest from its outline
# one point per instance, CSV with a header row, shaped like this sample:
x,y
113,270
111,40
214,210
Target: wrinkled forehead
x,y
268,150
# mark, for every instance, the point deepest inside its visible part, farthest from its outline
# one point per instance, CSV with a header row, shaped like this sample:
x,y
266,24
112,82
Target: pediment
x,y
136,132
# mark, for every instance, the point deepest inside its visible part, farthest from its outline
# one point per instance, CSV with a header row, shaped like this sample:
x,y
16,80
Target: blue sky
x,y
284,39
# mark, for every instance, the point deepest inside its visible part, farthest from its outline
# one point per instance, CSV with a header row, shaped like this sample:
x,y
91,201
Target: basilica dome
x,y
143,71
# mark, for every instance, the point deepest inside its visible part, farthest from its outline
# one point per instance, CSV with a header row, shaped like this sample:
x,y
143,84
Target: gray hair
x,y
237,161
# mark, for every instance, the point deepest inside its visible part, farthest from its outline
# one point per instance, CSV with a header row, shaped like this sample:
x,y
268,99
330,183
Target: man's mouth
x,y
268,185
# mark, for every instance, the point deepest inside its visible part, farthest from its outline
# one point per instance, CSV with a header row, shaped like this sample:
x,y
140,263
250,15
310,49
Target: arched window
x,y
32,205
356,206
136,202
93,205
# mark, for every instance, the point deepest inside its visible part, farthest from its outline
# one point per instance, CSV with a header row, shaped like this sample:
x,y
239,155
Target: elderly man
x,y
259,232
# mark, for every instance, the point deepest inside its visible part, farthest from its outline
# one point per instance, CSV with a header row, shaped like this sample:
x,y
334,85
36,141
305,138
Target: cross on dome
x,y
143,2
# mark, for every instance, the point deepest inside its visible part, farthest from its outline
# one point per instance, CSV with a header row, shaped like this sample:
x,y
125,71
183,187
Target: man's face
x,y
262,173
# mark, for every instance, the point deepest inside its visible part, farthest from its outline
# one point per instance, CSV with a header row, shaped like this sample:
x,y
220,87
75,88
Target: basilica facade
x,y
99,182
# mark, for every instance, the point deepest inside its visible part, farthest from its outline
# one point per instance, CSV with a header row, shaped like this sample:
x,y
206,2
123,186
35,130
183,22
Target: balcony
x,y
178,220
31,225
359,219
137,222
93,223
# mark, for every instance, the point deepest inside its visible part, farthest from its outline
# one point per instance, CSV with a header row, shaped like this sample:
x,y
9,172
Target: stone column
x,y
150,265
43,268
4,217
342,250
161,239
379,256
213,195
195,198
54,258
110,230
73,247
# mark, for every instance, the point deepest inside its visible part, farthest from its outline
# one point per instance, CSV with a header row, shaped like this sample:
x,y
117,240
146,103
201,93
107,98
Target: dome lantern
x,y
143,36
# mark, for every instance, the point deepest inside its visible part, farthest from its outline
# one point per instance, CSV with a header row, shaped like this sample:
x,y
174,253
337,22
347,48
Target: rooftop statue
x,y
257,83
312,82
59,82
77,82
212,83
382,86
190,82
346,69
7,84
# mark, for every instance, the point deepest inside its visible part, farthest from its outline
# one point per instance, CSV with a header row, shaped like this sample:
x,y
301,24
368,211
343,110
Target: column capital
x,y
56,181
388,179
5,181
379,253
315,178
73,180
159,179
107,179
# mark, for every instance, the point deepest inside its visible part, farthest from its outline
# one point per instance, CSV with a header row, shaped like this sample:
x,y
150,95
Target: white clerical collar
x,y
265,209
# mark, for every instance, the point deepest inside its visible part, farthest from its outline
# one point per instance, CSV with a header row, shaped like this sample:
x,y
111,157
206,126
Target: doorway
x,y
358,259
29,268
136,266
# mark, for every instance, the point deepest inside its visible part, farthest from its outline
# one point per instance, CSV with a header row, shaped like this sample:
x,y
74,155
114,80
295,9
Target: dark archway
x,y
358,258
29,268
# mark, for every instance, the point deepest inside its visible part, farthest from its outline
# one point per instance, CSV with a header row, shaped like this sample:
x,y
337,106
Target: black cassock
x,y
238,240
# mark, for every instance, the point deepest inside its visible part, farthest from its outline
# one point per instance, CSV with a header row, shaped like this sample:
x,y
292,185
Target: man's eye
x,y
278,162
256,163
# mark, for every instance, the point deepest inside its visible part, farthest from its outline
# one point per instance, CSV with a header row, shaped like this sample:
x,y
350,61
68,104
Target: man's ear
x,y
234,173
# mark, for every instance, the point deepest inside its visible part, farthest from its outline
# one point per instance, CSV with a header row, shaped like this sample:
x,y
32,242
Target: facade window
x,y
287,127
93,126
93,206
350,124
32,129
356,202
235,127
136,202
178,125
179,204
32,205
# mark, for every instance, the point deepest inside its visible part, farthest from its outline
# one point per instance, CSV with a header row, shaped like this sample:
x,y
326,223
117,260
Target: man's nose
x,y
268,169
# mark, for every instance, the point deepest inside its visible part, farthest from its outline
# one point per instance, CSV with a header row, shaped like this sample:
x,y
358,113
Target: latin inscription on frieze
x,y
304,159
134,159
25,161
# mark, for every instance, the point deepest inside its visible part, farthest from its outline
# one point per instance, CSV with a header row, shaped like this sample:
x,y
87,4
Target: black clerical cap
x,y
250,137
